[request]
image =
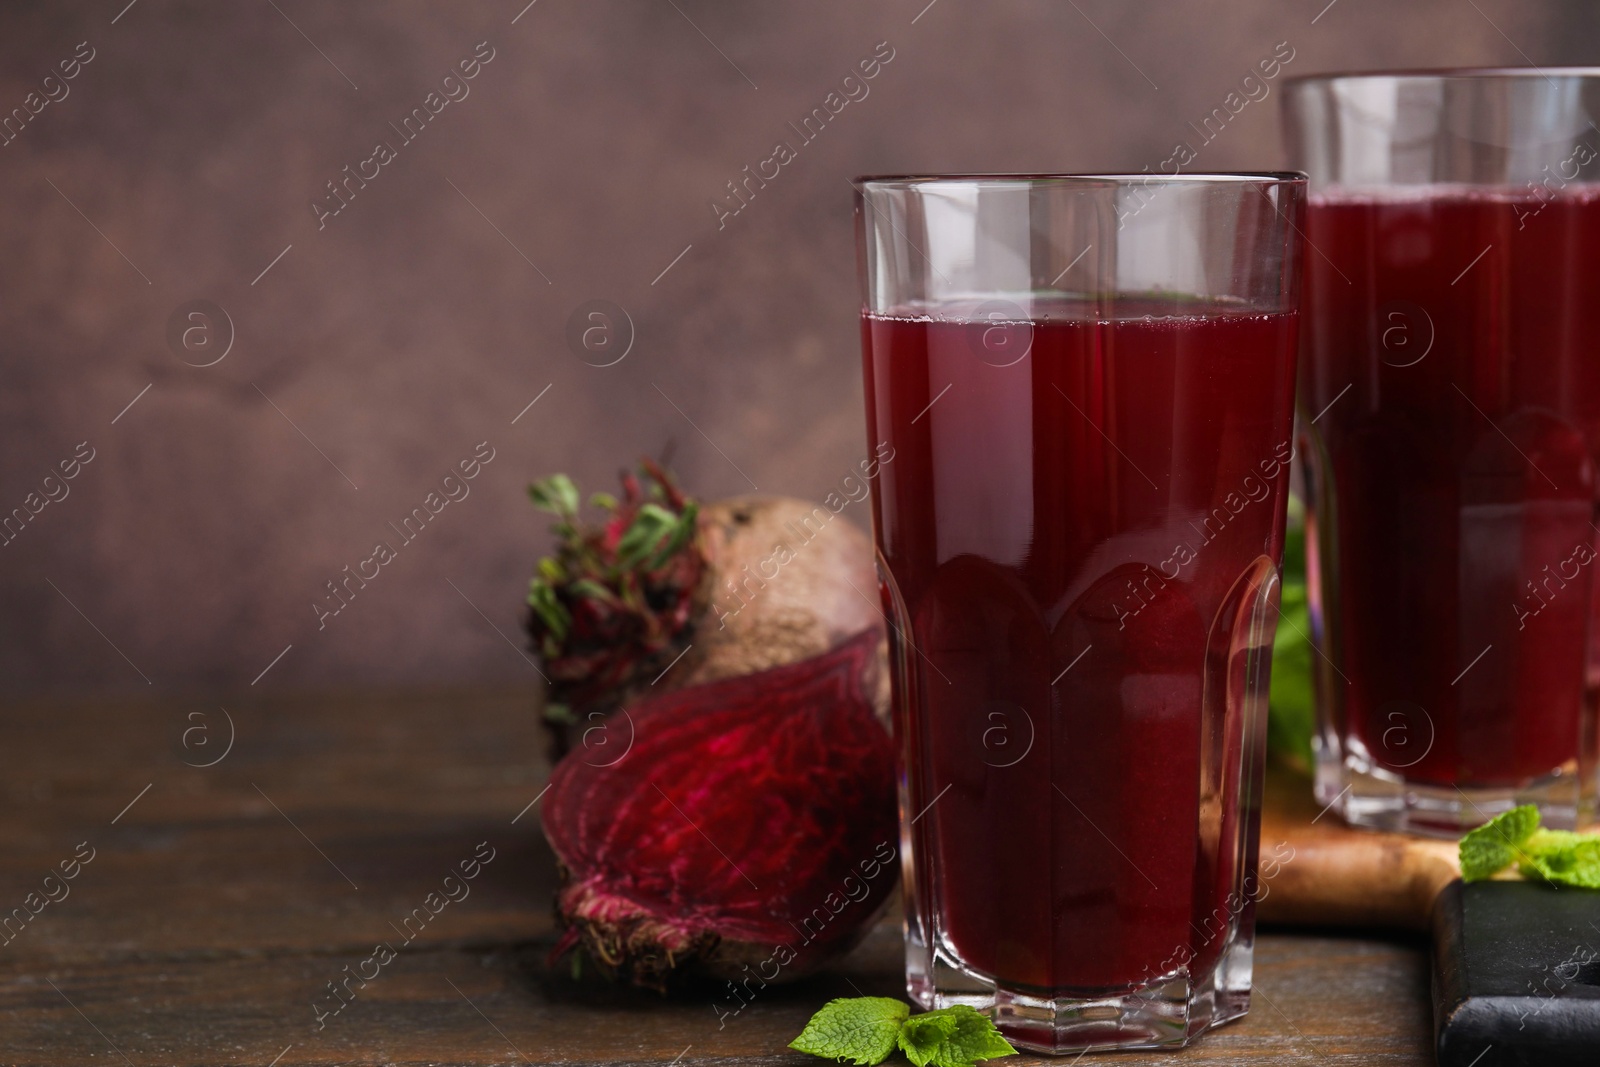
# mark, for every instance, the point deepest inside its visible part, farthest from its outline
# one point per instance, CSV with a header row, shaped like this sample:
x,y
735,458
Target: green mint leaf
x,y
922,1036
1496,845
1562,857
603,500
555,494
952,1037
860,1030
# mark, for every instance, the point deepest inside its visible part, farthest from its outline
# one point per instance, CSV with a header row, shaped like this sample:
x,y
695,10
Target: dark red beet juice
x,y
1081,528
1453,478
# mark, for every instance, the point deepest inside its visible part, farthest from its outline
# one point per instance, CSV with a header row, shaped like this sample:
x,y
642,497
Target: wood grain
x,y
207,925
1339,876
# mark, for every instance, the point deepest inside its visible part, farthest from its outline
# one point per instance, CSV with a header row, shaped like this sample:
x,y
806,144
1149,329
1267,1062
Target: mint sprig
x,y
866,1030
1559,857
859,1030
1494,846
1562,857
952,1037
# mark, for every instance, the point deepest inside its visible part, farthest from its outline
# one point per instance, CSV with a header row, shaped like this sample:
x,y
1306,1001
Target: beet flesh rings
x,y
742,828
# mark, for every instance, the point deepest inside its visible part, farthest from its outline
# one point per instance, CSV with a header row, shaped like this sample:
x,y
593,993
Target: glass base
x,y
1166,1012
1375,798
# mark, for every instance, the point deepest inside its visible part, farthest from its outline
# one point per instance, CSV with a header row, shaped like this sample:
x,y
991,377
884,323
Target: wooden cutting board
x,y
1316,871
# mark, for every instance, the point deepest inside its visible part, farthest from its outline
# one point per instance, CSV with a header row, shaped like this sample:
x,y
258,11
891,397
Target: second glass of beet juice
x,y
1450,402
1081,391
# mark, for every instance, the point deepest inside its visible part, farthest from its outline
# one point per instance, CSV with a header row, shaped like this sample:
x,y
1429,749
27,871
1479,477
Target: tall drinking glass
x,y
1450,402
1087,387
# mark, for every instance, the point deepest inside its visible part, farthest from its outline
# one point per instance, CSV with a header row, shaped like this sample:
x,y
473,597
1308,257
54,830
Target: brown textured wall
x,y
382,347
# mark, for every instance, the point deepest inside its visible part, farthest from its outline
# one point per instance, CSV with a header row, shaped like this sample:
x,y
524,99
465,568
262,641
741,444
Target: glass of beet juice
x,y
1082,391
1450,413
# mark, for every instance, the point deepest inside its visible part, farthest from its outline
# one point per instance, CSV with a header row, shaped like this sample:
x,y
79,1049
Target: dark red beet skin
x,y
742,829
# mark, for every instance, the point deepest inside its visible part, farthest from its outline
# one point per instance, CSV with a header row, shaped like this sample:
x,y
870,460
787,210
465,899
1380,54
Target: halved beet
x,y
742,828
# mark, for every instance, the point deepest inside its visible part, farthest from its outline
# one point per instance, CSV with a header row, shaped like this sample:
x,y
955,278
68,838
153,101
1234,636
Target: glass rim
x,y
1444,74
865,182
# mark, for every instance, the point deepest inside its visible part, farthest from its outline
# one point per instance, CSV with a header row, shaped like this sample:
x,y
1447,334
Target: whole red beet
x,y
667,593
739,829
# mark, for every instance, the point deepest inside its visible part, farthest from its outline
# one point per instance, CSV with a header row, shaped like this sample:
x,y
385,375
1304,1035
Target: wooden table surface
x,y
220,902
